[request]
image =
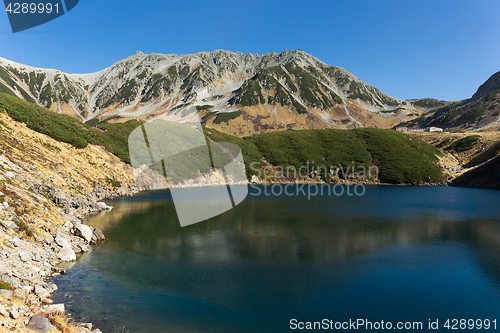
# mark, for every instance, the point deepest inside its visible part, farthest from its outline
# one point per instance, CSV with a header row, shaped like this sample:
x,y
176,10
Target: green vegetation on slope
x,y
465,144
399,158
428,103
70,130
226,117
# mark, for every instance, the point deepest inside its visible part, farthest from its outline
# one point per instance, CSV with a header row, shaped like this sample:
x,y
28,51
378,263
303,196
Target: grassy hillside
x,y
67,129
400,158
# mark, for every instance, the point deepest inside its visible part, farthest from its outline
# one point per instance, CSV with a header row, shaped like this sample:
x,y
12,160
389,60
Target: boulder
x,y
97,236
51,287
3,312
66,254
84,231
14,314
84,247
9,225
15,241
39,323
101,206
55,308
5,293
61,241
41,291
24,256
5,271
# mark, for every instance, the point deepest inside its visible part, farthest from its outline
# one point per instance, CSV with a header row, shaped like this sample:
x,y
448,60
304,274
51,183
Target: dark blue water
x,y
396,254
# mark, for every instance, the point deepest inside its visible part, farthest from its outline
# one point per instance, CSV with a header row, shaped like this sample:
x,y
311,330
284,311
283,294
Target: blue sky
x,y
408,49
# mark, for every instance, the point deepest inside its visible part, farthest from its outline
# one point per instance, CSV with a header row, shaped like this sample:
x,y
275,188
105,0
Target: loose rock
x,y
24,256
84,231
41,292
9,225
97,236
3,312
66,254
39,323
55,308
14,314
61,241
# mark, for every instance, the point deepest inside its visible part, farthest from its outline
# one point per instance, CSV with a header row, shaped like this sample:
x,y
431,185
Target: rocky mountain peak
x,y
493,83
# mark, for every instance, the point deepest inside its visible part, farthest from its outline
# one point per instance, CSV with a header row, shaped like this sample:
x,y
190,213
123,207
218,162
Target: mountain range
x,y
241,94
237,93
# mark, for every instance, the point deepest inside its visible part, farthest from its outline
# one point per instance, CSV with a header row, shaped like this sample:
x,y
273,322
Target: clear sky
x,y
407,48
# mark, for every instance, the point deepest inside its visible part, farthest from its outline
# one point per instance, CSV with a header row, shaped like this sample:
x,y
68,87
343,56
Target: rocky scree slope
x,y
46,188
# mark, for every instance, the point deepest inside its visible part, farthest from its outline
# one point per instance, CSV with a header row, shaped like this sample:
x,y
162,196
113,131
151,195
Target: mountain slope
x,y
260,93
480,112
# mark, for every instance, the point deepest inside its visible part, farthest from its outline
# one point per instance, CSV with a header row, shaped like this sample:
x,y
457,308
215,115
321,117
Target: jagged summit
x,y
243,93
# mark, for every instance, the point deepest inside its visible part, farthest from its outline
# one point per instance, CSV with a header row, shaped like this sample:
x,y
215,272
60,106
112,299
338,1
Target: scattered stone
x,y
97,236
41,291
9,225
38,257
84,247
84,231
9,174
23,308
87,325
3,312
51,287
24,256
58,270
14,241
6,293
48,240
5,271
66,254
61,241
47,301
14,314
101,206
39,323
55,308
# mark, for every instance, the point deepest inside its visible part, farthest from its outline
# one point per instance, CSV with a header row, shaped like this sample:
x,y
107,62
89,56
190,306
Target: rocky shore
x,y
46,189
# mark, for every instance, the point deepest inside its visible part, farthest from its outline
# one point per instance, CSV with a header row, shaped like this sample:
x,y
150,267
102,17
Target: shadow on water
x,y
404,252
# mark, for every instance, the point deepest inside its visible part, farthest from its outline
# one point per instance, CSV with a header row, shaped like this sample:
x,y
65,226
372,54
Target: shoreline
x,y
28,262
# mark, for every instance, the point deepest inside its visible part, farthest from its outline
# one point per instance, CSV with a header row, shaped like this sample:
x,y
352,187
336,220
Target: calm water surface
x,y
394,254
